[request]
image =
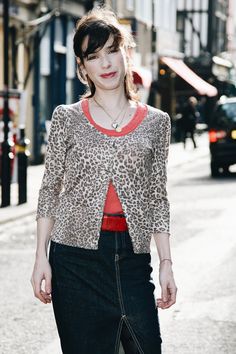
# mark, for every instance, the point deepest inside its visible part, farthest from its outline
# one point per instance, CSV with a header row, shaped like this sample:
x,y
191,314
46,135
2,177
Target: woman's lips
x,y
108,75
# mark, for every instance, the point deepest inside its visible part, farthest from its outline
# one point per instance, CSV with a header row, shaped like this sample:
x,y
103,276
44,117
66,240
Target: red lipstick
x,y
108,75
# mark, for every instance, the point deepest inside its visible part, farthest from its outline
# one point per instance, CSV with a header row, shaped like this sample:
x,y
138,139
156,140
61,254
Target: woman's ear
x,y
81,67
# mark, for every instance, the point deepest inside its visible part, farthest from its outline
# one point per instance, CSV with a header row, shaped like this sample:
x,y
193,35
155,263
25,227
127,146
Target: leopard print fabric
x,y
81,160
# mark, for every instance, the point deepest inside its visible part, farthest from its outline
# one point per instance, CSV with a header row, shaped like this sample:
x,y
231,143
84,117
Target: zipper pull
x,y
116,257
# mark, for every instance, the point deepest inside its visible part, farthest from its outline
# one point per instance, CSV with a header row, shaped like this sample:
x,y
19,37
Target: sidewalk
x,y
14,211
177,157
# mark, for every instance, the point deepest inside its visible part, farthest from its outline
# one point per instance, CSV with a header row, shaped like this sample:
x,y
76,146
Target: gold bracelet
x,y
166,259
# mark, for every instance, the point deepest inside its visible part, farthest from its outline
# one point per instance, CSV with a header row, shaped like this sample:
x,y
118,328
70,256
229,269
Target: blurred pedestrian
x,y
201,109
102,198
189,119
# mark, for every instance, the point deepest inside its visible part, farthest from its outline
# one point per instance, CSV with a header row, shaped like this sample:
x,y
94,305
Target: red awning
x,y
181,69
142,76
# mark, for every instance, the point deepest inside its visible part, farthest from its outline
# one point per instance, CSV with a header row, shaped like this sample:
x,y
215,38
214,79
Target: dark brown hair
x,y
98,25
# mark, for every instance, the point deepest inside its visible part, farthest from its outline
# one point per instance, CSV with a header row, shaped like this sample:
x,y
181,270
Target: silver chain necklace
x,y
114,124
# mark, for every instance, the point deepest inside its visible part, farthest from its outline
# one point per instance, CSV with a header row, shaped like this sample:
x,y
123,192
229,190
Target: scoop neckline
x,y
136,119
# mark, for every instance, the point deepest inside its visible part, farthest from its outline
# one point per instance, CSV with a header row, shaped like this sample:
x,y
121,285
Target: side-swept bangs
x,y
98,33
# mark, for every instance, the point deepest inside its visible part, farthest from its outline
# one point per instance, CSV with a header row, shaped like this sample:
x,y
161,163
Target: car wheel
x,y
214,169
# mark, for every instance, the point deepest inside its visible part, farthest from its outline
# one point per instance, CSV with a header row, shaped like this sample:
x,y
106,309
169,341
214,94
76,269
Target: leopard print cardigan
x,y
81,160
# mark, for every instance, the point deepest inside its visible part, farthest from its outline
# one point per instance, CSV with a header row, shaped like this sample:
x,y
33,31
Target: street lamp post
x,y
6,167
153,43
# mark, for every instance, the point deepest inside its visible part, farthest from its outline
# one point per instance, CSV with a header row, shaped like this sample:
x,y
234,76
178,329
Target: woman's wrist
x,y
40,255
165,260
41,252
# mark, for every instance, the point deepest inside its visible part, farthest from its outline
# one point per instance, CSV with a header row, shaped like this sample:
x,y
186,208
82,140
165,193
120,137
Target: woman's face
x,y
107,66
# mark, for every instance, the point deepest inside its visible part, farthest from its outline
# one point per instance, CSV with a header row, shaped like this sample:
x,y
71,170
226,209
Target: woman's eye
x,y
92,57
113,50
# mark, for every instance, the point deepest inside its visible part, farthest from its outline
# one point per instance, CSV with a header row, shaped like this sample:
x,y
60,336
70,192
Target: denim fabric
x,y
104,296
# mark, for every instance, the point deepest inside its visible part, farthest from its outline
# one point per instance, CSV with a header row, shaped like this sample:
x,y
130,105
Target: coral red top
x,y
112,202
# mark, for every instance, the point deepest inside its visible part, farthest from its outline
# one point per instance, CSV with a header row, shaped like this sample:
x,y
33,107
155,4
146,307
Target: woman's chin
x,y
111,86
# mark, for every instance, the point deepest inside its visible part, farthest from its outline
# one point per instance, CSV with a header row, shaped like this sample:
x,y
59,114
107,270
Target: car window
x,y
225,114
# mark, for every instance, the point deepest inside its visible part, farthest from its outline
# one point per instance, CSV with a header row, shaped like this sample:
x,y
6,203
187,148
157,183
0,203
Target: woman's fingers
x,y
173,292
42,276
168,296
162,304
37,291
46,296
164,294
48,287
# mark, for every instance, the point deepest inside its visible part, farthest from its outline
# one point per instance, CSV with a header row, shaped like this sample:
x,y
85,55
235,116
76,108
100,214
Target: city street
x,y
203,321
74,70
203,241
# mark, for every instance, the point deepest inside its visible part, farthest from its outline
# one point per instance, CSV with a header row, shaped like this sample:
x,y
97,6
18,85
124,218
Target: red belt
x,y
114,223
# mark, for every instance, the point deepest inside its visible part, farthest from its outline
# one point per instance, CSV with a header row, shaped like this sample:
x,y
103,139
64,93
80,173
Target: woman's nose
x,y
105,61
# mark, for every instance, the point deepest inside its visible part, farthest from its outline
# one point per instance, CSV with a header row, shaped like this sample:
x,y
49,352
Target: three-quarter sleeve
x,y
52,181
159,198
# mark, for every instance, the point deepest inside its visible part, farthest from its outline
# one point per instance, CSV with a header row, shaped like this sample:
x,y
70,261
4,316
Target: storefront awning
x,y
181,69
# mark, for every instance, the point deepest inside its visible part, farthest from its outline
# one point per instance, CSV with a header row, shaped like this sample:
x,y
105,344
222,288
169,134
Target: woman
x,y
103,196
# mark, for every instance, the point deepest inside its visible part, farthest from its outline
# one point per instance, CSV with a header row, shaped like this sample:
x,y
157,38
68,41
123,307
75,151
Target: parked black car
x,y
222,136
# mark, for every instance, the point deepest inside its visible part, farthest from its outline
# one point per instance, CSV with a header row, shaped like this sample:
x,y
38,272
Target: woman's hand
x,y
42,271
168,287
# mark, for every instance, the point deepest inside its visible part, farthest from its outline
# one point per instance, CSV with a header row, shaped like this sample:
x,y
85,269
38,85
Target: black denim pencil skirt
x,y
104,296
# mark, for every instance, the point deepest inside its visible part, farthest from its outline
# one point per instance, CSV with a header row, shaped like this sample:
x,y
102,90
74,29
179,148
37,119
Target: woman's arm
x,y
42,269
48,201
44,228
55,156
166,278
161,212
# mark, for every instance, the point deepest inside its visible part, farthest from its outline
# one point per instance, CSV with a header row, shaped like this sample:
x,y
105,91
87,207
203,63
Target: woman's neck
x,y
112,98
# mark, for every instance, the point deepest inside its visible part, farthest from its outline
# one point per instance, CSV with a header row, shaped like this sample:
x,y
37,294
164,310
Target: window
x,y
226,112
130,5
143,10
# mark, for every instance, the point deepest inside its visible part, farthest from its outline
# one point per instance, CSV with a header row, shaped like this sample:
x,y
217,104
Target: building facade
x,y
204,26
184,47
41,62
207,66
